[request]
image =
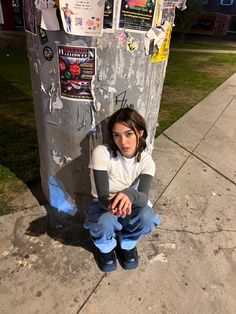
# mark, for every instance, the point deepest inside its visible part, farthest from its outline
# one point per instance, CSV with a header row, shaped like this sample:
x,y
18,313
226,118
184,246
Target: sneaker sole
x,y
128,266
107,269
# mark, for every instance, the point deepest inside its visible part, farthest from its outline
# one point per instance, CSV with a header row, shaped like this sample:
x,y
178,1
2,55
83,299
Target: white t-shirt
x,y
122,172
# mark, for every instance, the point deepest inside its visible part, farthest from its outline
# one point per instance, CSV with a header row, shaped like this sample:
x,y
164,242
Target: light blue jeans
x,y
103,226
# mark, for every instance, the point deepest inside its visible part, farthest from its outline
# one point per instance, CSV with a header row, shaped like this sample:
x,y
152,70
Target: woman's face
x,y
125,139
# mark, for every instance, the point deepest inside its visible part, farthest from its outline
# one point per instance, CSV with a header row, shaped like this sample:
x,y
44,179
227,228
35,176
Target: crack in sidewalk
x,y
92,292
195,233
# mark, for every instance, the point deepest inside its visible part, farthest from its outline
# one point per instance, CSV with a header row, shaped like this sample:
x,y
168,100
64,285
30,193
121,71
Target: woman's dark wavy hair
x,y
135,122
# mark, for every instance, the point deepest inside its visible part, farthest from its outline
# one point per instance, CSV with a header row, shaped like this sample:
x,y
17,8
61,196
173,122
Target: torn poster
x,y
82,17
136,15
49,19
29,17
76,71
155,37
1,14
163,52
169,8
48,10
44,4
108,15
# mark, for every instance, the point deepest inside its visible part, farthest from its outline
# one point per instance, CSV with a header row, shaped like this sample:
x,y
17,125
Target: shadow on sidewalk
x,y
65,229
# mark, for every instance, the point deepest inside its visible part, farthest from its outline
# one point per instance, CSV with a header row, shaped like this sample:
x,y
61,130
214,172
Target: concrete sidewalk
x,y
188,265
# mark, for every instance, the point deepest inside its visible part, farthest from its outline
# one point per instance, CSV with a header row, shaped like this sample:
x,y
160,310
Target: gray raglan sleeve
x,y
102,185
140,197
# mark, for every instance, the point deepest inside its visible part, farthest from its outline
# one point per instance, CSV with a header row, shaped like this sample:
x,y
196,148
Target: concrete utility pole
x,y
80,80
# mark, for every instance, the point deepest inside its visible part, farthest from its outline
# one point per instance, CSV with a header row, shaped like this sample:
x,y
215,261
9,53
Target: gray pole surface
x,y
69,129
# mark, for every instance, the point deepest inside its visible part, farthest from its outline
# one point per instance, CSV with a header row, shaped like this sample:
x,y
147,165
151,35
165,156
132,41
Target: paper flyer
x,y
163,53
49,20
136,15
158,17
29,17
82,17
108,14
1,14
76,71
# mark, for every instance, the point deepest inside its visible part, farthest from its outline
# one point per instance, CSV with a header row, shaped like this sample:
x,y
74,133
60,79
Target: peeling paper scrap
x,y
44,4
156,36
60,159
56,103
163,52
49,20
181,5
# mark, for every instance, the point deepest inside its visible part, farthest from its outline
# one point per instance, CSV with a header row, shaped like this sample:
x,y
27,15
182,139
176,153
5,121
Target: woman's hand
x,y
121,205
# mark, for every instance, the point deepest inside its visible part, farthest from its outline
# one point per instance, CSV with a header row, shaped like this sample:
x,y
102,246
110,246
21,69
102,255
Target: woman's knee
x,y
146,215
106,219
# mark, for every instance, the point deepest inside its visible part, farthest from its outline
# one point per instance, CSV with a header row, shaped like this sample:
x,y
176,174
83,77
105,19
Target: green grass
x,y
189,78
189,45
19,164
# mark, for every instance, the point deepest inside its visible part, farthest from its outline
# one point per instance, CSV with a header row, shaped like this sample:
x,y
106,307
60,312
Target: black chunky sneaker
x,y
107,261
128,259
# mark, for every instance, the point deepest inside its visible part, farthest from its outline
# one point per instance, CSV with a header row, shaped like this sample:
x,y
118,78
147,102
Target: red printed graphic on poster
x,y
76,71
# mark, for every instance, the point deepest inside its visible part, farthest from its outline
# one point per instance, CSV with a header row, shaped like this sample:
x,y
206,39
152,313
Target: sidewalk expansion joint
x,y
92,292
191,153
195,233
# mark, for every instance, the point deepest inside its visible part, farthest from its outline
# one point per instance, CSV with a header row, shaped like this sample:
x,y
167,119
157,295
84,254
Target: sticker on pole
x,y
42,35
76,71
48,53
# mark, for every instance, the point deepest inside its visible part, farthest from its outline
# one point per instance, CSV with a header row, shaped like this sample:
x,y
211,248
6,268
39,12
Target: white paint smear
x,y
168,245
159,258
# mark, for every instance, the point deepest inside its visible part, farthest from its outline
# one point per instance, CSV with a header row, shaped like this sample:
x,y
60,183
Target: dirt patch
x,y
220,70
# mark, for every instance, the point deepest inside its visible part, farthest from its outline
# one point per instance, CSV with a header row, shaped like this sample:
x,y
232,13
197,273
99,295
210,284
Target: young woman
x,y
122,172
